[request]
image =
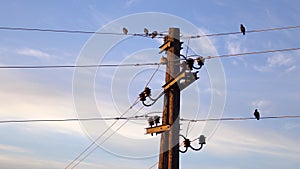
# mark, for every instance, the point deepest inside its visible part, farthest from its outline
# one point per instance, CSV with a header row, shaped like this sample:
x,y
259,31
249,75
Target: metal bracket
x,y
187,76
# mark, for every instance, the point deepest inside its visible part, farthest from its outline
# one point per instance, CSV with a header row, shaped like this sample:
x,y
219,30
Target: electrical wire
x,y
73,119
253,53
97,145
152,76
94,142
79,66
139,117
160,35
62,31
250,31
239,118
144,64
187,129
153,165
140,34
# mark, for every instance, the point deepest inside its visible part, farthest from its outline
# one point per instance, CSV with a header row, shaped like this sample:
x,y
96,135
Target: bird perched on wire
x,y
154,34
243,29
256,114
146,31
125,31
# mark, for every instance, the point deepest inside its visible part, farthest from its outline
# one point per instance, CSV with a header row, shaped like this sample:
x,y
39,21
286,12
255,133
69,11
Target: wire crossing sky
x,y
42,44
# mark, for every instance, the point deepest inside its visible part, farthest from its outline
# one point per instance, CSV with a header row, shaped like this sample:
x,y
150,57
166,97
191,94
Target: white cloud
x,y
290,126
230,140
34,53
131,2
277,61
12,148
233,47
290,69
19,161
260,103
26,99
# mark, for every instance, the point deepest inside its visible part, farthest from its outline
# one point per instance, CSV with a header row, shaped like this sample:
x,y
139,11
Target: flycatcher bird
x,y
256,114
243,29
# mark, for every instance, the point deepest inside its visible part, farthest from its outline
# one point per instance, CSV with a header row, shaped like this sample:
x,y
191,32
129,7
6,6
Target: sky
x,y
228,87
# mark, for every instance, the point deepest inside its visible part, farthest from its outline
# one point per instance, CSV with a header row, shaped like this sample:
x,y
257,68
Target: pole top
x,y
174,33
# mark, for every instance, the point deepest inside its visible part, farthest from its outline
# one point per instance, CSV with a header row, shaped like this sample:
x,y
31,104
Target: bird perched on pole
x,y
256,114
125,31
243,29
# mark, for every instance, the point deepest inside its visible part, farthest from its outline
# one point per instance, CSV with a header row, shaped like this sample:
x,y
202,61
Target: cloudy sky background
x,y
268,82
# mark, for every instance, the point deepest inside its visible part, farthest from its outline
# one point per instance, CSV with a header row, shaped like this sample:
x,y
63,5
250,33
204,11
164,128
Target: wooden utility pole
x,y
169,144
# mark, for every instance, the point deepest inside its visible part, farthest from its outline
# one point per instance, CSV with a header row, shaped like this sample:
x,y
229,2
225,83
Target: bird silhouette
x,y
146,31
125,31
154,34
256,114
243,29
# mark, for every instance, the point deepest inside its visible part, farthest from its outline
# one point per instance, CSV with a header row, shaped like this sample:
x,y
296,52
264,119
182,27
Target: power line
x,y
139,34
152,166
61,31
94,142
72,119
159,35
142,64
140,117
239,118
250,31
253,53
152,76
78,162
79,66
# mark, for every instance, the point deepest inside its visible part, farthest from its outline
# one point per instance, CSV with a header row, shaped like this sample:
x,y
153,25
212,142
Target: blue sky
x,y
268,82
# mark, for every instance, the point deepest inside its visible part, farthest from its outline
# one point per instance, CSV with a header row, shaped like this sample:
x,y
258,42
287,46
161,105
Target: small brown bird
x,y
146,31
125,31
243,29
256,114
154,34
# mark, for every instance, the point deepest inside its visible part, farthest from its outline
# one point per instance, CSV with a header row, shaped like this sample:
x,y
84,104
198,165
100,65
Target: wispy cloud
x,y
233,47
18,161
130,2
12,148
242,141
34,53
290,126
260,103
277,61
25,99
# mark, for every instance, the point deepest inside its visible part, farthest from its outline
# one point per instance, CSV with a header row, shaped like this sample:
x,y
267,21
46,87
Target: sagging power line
x,y
152,35
144,118
79,66
250,31
143,64
78,160
145,34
